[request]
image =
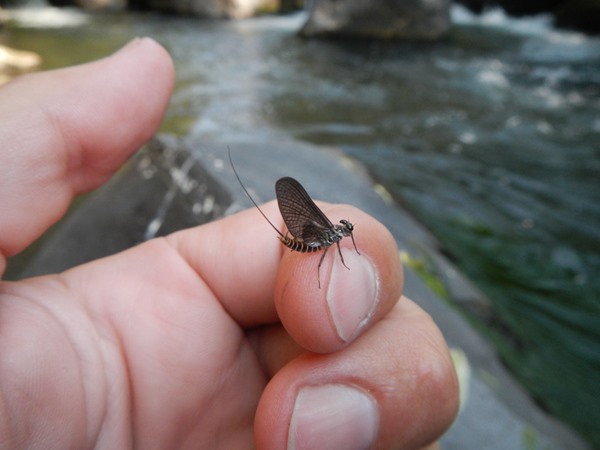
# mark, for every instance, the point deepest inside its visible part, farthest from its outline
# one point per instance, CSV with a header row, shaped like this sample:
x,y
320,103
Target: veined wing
x,y
303,218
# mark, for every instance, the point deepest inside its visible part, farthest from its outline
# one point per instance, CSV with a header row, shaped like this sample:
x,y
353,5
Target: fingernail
x,y
352,294
333,416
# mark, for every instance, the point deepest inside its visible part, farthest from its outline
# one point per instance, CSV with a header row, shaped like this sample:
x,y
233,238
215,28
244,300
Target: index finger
x,y
259,281
354,292
238,258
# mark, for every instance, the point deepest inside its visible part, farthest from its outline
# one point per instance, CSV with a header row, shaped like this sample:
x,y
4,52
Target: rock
x,y
380,19
582,15
512,7
172,184
91,4
161,190
214,9
476,6
16,62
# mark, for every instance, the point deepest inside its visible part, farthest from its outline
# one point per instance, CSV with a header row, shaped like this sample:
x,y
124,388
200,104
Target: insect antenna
x,y
248,193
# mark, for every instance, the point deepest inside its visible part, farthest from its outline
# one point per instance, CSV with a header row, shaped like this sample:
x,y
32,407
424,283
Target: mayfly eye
x,y
347,224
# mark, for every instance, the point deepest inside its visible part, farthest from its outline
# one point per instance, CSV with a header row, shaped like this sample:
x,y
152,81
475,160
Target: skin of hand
x,y
213,337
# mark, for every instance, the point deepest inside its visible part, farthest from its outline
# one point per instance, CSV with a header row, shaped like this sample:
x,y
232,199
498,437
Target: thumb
x,y
71,129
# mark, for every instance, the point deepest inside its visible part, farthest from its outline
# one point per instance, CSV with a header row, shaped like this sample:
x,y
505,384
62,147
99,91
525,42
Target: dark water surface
x,y
491,137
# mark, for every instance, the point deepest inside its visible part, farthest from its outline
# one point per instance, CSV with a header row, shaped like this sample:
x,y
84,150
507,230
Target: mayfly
x,y
309,228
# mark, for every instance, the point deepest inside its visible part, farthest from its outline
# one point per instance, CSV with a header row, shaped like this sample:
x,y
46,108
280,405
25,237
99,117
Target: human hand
x,y
212,337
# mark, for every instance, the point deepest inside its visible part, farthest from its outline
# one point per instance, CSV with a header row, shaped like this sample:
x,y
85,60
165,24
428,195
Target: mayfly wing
x,y
304,219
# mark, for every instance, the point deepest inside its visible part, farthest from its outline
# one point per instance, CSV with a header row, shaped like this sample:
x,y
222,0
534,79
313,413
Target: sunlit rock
x,y
15,62
216,9
383,19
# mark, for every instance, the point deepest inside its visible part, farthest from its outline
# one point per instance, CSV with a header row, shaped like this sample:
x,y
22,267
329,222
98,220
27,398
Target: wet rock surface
x,y
172,184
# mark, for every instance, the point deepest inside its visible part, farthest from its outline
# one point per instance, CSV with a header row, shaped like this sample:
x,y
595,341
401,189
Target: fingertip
x,y
127,93
351,296
147,51
142,78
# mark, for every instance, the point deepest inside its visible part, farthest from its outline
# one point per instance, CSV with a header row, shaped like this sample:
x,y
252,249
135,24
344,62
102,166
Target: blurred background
x,y
487,130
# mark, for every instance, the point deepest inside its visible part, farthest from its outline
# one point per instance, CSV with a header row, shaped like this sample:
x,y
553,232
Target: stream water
x,y
491,137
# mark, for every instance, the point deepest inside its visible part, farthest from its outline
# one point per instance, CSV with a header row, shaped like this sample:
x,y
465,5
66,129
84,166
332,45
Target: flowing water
x,y
491,137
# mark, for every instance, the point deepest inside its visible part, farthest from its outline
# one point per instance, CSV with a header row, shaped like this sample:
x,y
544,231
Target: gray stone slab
x,y
173,184
162,189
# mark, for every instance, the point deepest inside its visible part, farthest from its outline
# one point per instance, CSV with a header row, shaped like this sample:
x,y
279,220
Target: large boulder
x,y
380,19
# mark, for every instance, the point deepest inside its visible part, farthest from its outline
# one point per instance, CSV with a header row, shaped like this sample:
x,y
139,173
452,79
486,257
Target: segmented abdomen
x,y
299,246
